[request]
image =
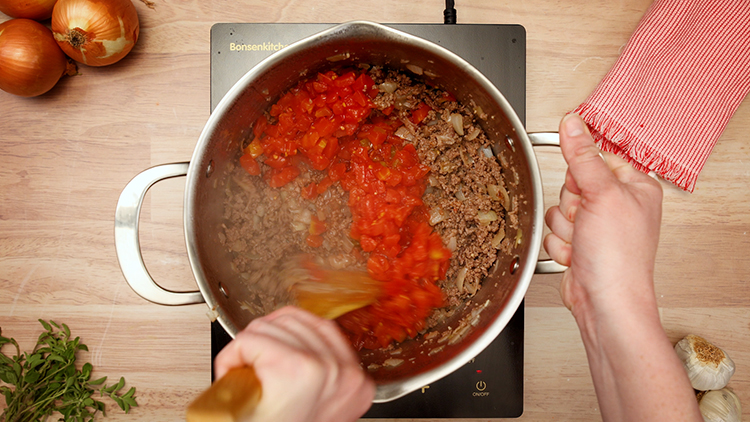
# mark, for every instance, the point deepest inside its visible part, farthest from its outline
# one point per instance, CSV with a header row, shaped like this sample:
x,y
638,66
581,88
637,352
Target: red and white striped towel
x,y
672,91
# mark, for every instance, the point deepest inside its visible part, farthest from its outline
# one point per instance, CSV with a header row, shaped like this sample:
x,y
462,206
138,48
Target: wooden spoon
x,y
326,293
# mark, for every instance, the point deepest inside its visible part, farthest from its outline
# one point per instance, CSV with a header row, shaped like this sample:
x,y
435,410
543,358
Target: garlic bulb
x,y
721,406
707,366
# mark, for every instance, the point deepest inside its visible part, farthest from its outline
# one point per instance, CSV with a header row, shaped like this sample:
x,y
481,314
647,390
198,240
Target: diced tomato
x,y
327,123
310,191
302,104
418,115
376,134
336,171
344,80
356,114
249,164
360,98
331,148
319,162
280,177
255,148
326,78
314,240
389,176
378,266
447,97
323,111
277,161
324,126
319,86
317,226
367,243
363,83
324,185
339,107
407,156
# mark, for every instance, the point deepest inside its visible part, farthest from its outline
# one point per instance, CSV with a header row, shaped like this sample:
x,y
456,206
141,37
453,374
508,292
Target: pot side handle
x,y
546,266
127,243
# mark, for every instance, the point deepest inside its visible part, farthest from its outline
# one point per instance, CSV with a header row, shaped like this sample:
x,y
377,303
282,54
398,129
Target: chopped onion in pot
x,y
452,244
347,243
299,226
498,238
445,165
493,191
471,289
393,362
498,193
479,112
445,139
338,262
414,68
460,277
437,215
503,160
466,158
305,216
457,121
388,86
486,217
402,103
460,193
475,131
404,133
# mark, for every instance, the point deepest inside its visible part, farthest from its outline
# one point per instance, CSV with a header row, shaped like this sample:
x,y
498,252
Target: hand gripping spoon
x,y
326,293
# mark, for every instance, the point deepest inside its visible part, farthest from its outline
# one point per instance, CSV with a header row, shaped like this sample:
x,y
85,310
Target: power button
x,y
481,386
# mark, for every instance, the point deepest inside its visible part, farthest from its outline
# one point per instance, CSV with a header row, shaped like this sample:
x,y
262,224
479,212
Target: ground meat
x,y
462,168
467,198
266,227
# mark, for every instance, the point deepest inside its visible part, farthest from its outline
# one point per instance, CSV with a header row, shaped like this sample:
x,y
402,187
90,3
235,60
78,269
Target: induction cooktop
x,y
491,385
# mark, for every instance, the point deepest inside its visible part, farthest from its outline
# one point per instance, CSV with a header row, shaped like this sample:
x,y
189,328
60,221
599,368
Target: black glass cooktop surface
x,y
491,385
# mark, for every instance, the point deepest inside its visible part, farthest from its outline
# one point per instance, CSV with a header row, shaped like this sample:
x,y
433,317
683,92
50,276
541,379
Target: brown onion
x,y
31,63
95,32
29,9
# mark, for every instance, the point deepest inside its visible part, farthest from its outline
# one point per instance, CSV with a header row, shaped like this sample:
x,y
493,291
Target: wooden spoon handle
x,y
232,398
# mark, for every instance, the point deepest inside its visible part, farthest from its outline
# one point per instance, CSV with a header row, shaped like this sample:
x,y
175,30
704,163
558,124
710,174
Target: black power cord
x,y
449,14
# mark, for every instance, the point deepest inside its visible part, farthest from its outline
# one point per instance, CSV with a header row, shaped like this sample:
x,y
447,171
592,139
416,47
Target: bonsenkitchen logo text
x,y
266,46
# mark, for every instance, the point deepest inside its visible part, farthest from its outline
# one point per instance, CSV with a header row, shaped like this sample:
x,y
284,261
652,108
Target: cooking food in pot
x,y
370,169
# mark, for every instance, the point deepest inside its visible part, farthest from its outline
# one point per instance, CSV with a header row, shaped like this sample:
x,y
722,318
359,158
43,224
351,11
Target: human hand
x,y
308,370
606,227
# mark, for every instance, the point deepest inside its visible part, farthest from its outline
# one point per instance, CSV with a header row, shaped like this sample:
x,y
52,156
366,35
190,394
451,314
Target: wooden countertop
x,y
65,157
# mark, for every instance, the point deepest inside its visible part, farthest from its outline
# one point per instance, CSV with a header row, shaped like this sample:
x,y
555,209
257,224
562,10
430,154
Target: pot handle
x,y
128,245
540,139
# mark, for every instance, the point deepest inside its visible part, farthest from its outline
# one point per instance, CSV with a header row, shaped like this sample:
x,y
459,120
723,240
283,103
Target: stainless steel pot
x,y
351,43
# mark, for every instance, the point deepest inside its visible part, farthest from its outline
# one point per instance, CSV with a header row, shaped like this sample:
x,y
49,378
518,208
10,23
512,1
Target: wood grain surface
x,y
65,157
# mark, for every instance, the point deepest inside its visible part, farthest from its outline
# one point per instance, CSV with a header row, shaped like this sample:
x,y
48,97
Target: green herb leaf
x,y
47,381
45,325
99,381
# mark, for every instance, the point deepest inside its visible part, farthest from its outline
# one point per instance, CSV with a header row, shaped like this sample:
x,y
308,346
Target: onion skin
x,y
30,9
31,62
95,32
